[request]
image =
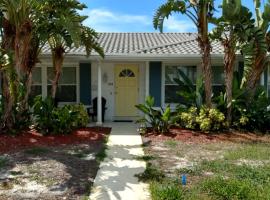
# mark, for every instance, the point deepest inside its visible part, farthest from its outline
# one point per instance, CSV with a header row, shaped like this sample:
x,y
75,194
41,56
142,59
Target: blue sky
x,y
134,16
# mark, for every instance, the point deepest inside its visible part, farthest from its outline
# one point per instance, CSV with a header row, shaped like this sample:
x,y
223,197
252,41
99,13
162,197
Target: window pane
x,y
171,87
218,75
171,95
37,75
172,72
35,90
50,75
68,75
217,89
65,93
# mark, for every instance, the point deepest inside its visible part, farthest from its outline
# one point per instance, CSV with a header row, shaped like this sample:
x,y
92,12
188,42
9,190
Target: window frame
x,y
44,77
41,83
163,81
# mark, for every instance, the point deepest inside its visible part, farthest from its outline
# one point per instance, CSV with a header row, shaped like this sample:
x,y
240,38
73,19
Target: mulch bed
x,y
32,138
190,136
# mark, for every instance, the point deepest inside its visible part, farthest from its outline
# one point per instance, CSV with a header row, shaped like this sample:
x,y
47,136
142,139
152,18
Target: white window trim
x,y
44,84
164,64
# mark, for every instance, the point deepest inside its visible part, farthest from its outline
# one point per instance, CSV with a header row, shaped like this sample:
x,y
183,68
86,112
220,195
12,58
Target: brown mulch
x,y
196,137
32,138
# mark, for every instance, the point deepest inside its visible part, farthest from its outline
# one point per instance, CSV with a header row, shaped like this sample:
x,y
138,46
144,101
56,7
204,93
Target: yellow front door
x,y
126,89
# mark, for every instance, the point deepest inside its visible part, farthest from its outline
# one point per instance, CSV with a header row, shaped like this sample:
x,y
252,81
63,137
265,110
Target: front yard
x,y
50,167
216,166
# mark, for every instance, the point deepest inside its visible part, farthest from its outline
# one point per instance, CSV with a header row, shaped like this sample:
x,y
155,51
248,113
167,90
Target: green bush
x,y
254,114
52,120
204,119
159,119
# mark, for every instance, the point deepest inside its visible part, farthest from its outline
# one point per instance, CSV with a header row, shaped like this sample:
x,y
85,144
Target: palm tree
x,y
68,32
230,31
17,29
199,12
256,48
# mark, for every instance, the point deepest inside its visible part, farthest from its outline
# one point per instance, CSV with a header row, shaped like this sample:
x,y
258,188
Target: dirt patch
x,y
32,138
183,148
50,167
189,136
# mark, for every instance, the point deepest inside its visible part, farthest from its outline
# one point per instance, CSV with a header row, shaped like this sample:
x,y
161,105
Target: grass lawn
x,y
53,167
224,168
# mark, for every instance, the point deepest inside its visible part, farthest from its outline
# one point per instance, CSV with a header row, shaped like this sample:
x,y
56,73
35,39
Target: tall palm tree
x,y
68,32
230,31
199,12
256,48
16,36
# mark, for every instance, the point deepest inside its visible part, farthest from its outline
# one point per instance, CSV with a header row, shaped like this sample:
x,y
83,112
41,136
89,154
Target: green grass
x,y
171,143
225,178
151,173
3,162
37,151
166,191
250,151
232,188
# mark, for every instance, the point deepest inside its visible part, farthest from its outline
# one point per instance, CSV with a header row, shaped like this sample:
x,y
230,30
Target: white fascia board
x,y
138,57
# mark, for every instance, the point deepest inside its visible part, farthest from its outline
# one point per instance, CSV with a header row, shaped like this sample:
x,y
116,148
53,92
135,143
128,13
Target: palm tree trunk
x,y
7,119
55,84
58,59
207,73
229,60
256,72
205,47
8,86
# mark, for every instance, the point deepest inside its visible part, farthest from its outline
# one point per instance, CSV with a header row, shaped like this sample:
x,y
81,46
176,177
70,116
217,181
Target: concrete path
x,y
115,180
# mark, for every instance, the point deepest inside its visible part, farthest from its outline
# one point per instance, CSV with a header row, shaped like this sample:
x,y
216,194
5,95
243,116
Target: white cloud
x,y
104,20
176,25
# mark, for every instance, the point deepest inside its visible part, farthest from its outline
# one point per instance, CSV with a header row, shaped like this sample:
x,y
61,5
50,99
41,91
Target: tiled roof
x,y
147,44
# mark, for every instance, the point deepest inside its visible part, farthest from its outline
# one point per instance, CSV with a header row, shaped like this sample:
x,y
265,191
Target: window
x,y
67,87
218,79
37,82
126,73
171,86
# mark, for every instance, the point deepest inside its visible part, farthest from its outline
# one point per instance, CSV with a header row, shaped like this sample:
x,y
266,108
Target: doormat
x,y
123,121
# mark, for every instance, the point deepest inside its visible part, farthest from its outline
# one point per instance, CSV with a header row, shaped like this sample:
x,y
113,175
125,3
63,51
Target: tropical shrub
x,y
203,119
191,94
82,118
52,120
160,120
254,114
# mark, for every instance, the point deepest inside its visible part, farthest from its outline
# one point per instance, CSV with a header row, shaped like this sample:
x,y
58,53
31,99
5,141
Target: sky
x,y
135,16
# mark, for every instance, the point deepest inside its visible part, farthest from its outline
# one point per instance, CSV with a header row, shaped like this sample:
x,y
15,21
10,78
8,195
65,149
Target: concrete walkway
x,y
115,179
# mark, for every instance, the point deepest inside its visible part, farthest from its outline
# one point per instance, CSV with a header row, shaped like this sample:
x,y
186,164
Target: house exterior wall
x,y
108,82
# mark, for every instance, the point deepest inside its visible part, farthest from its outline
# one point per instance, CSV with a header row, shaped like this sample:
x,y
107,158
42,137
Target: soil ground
x,y
33,166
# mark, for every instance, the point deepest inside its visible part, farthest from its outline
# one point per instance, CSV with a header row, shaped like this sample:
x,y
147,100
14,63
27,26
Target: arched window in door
x,y
126,73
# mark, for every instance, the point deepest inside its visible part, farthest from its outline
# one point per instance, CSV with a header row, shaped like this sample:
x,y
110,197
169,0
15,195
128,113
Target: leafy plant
x,y
43,114
191,94
204,119
159,119
50,119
